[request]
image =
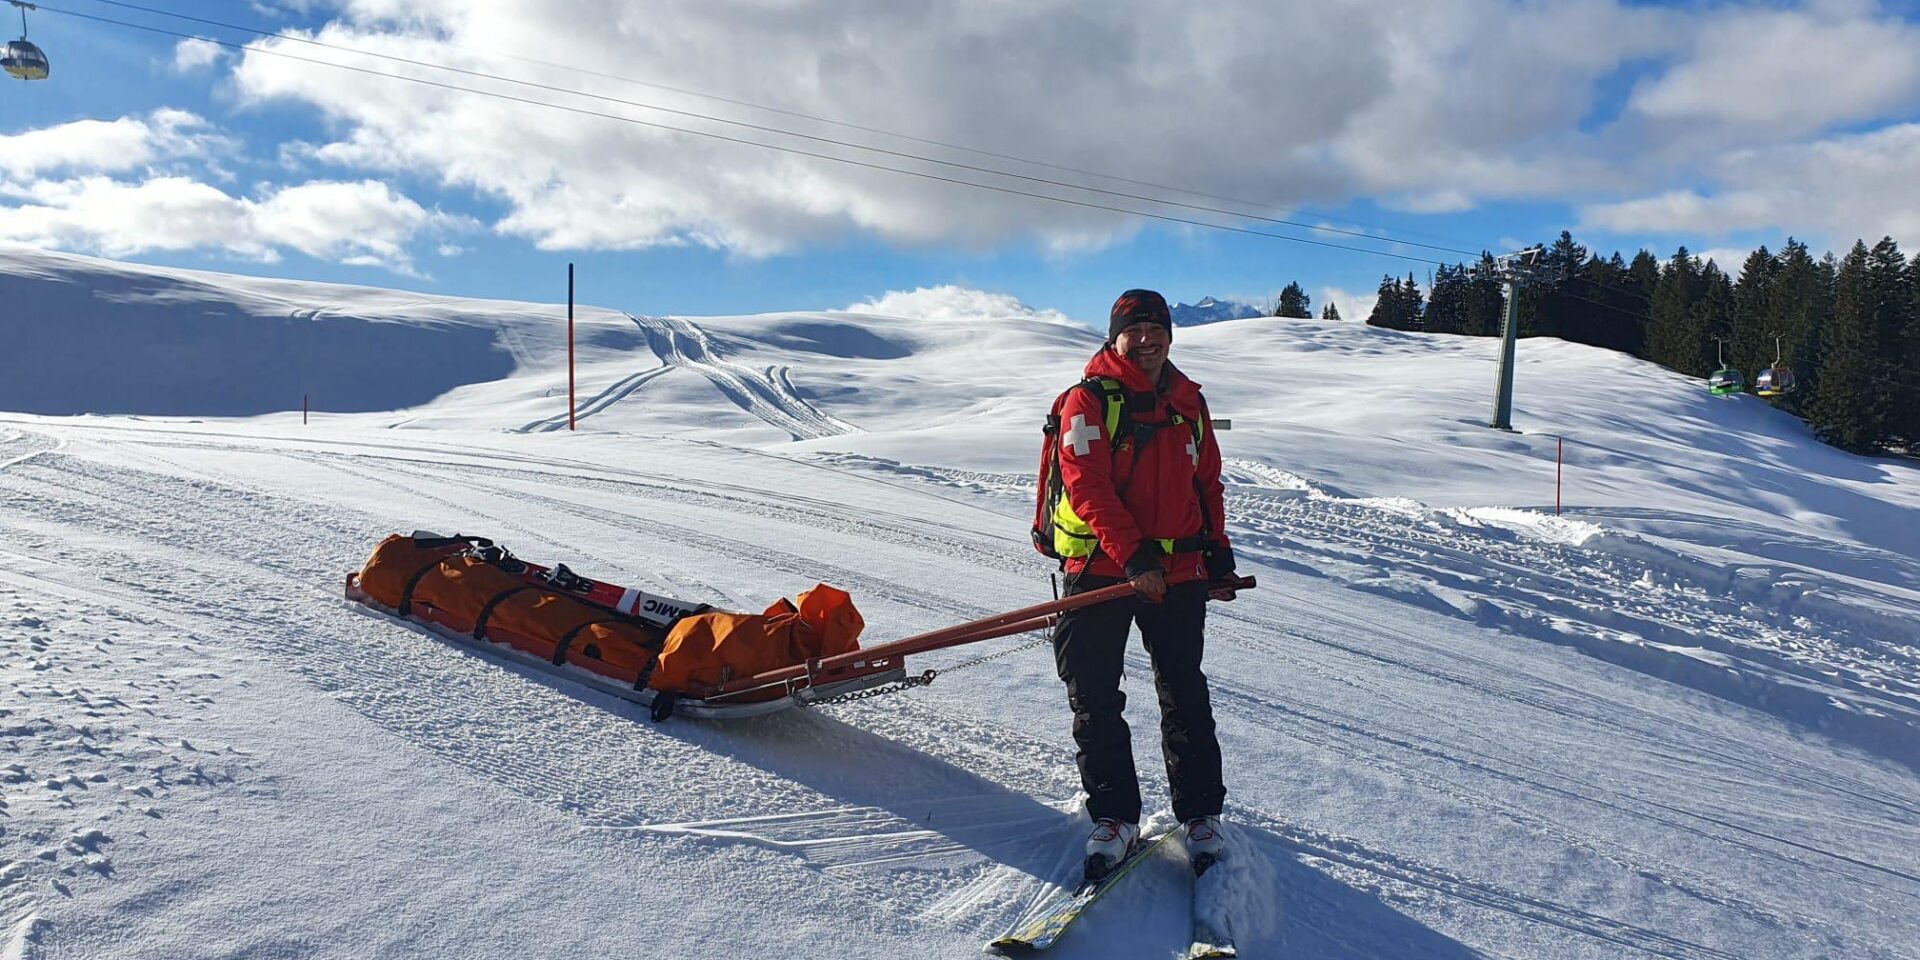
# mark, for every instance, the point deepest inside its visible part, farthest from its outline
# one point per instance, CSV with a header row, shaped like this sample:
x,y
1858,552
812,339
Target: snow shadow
x,y
74,348
1320,918
845,340
891,804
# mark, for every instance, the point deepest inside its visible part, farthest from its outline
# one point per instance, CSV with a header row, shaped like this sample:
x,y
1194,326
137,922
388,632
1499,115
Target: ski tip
x,y
1209,952
1203,863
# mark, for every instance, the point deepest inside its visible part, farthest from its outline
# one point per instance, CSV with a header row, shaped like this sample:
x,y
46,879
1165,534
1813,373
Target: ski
x,y
1211,939
1041,932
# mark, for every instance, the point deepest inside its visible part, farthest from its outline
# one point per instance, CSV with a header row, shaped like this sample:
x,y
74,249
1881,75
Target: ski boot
x,y
1111,842
1204,843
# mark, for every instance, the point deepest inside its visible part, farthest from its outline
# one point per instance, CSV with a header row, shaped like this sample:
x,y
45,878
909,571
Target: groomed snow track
x,y
1408,778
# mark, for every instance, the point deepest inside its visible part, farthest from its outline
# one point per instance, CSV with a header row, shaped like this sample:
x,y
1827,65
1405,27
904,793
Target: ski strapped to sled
x,y
817,679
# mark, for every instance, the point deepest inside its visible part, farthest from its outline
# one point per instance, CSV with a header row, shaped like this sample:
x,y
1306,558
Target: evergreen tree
x,y
1485,300
1413,305
1676,338
1618,320
1387,310
1330,312
1750,339
1447,309
1846,411
1893,299
1713,315
1802,294
1558,307
1294,303
1908,373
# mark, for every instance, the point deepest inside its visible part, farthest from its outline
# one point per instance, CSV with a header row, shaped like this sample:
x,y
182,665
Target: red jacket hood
x,y
1180,391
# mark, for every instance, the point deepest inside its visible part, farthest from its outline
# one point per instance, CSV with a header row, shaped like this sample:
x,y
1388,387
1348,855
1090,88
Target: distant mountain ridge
x,y
1210,310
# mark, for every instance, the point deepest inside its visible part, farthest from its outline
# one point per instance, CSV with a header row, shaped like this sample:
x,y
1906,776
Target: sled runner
x,y
674,656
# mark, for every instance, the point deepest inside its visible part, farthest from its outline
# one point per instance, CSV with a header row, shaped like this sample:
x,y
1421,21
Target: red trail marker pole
x,y
570,407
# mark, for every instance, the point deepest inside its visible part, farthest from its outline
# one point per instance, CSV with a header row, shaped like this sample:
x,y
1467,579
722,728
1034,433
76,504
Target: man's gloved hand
x,y
1219,562
1144,569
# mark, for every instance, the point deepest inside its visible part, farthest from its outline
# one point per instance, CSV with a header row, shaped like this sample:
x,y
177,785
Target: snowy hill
x,y
1680,719
1209,310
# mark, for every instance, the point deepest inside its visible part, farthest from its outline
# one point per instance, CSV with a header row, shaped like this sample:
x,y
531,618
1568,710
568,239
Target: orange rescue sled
x,y
674,656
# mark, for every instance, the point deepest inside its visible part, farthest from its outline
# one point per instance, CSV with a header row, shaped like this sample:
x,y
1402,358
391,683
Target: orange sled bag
x,y
468,586
706,650
445,581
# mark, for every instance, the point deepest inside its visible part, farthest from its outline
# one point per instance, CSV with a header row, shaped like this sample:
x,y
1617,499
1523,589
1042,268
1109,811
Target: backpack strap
x,y
1111,397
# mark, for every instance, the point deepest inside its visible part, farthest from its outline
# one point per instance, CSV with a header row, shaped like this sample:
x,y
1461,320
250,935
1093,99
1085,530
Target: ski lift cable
x,y
777,147
1631,313
829,141
1597,285
1911,384
1380,232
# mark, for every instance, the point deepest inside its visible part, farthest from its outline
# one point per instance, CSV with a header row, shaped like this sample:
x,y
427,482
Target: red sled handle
x,y
1036,617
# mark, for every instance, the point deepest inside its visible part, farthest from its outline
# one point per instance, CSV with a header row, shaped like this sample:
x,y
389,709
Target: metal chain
x,y
989,658
925,679
898,686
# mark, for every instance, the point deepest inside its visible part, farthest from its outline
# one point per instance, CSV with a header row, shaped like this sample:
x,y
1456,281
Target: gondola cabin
x,y
1774,381
1726,380
24,60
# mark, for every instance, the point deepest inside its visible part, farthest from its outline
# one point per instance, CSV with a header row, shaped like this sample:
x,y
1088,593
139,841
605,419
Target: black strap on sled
x,y
486,612
560,650
646,673
406,595
429,543
432,543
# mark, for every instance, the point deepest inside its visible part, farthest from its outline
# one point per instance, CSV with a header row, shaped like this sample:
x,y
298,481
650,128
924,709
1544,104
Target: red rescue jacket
x,y
1164,489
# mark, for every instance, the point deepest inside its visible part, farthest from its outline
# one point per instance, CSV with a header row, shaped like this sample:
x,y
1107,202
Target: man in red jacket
x,y
1140,470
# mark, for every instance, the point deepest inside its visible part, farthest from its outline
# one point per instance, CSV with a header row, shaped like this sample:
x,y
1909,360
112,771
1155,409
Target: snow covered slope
x,y
1682,719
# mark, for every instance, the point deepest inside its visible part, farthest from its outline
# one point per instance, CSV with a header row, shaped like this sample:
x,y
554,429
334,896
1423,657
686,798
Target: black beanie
x,y
1138,306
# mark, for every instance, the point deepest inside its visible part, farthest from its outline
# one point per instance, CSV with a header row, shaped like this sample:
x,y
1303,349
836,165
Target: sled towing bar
x,y
886,658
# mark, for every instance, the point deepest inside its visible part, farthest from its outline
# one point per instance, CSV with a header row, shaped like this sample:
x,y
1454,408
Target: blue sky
x,y
1720,127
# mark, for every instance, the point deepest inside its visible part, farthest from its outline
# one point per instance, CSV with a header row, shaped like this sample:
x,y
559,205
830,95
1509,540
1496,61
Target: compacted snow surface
x,y
1681,719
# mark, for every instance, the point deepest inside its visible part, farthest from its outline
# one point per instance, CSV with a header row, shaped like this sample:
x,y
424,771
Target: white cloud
x,y
1786,73
1427,106
364,223
1356,307
132,185
1846,187
193,54
951,304
1385,100
107,146
1728,259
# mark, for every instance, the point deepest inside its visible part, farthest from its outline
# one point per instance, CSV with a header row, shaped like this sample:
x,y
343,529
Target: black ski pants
x,y
1089,649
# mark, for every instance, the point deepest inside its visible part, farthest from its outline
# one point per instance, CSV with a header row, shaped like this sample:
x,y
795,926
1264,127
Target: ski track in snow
x,y
768,394
1763,637
18,446
952,835
620,390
